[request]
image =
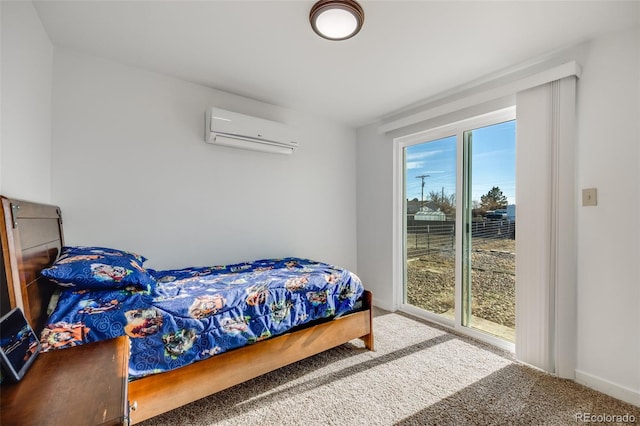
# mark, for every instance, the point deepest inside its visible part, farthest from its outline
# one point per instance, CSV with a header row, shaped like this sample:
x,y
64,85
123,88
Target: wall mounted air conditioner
x,y
242,131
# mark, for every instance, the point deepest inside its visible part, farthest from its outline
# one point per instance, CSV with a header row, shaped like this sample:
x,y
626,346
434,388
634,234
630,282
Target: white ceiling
x,y
407,51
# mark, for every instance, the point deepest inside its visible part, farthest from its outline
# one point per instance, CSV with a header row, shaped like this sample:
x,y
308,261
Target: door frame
x,y
399,218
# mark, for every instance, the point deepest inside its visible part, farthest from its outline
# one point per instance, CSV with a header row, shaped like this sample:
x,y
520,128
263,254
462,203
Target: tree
x,y
445,202
494,199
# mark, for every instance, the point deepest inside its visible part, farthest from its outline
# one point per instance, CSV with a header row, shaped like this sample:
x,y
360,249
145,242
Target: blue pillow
x,y
82,250
99,268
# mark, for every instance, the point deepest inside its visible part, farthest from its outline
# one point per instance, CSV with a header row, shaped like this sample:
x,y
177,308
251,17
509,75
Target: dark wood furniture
x,y
31,239
84,385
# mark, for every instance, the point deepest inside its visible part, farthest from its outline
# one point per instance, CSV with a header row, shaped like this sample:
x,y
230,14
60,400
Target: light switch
x,y
590,197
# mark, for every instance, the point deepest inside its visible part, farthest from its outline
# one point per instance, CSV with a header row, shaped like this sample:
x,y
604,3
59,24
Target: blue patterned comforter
x,y
194,313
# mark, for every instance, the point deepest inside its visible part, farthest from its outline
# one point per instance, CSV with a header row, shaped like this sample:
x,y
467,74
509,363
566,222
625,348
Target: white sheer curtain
x,y
546,199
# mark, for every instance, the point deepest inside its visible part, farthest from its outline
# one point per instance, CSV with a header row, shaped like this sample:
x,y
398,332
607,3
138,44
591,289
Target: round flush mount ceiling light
x,y
336,19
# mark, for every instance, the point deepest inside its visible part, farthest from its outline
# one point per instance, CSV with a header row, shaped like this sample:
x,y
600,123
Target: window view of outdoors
x,y
488,285
430,189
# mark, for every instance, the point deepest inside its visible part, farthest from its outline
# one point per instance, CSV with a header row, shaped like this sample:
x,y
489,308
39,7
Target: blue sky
x,y
493,160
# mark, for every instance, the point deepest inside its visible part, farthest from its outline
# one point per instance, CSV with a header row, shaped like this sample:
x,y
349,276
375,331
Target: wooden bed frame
x,y
31,240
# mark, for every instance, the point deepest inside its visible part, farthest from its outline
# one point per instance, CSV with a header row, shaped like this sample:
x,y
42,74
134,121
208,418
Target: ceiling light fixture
x,y
336,19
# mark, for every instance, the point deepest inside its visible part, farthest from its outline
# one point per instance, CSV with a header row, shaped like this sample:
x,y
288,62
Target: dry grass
x,y
430,281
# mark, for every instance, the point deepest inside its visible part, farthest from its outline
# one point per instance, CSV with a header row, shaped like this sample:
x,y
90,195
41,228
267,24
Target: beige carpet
x,y
418,375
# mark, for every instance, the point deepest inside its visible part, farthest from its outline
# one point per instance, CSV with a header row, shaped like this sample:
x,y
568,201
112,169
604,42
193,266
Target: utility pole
x,y
422,177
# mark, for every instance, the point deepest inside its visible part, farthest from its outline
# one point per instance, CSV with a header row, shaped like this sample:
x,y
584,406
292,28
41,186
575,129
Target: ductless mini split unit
x,y
245,132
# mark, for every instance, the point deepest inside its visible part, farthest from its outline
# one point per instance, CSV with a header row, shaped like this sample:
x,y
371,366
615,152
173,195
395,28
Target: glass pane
x,y
430,206
489,244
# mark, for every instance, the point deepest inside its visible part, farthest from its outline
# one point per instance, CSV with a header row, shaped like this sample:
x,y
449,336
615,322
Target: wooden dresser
x,y
84,385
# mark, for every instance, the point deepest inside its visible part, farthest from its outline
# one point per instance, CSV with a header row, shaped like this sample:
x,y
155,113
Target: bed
x,y
32,240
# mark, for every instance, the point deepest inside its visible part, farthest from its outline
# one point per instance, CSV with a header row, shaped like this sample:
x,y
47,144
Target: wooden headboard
x,y
31,240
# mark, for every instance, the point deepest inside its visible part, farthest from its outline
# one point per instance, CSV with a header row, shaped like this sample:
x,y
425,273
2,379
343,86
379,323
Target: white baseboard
x,y
622,393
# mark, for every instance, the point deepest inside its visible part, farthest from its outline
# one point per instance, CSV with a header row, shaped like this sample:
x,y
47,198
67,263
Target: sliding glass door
x,y
459,224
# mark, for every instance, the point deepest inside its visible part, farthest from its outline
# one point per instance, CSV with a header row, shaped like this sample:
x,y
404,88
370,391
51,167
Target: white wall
x,y
131,169
608,237
375,214
25,135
